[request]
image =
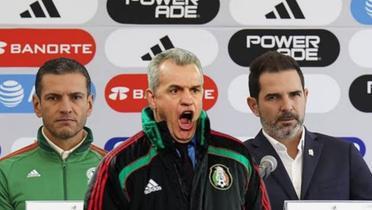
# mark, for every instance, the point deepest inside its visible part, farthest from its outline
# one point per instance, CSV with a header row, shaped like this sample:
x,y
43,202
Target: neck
x,y
65,143
292,146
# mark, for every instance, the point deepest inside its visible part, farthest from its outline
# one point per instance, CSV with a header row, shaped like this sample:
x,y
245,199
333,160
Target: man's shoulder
x,y
98,150
227,146
130,149
20,156
327,139
227,142
225,139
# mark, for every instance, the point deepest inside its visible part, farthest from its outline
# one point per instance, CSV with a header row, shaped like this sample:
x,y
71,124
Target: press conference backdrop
x,y
115,39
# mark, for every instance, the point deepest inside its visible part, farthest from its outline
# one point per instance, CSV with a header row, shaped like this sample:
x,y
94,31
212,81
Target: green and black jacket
x,y
37,172
142,173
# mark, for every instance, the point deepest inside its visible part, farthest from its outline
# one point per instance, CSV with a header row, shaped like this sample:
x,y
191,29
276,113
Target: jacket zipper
x,y
64,180
181,185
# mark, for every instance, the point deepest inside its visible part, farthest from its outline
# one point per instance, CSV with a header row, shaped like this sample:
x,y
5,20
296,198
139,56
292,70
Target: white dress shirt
x,y
292,166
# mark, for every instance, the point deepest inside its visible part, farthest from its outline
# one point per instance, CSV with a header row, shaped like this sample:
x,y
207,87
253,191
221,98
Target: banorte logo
x,y
126,92
307,47
32,47
163,11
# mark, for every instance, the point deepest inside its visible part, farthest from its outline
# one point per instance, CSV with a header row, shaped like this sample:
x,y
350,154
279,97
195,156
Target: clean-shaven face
x,y
178,99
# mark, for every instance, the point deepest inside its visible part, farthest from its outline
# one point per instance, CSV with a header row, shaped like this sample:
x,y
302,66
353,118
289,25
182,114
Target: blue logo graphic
x,y
16,92
362,11
0,151
359,144
114,142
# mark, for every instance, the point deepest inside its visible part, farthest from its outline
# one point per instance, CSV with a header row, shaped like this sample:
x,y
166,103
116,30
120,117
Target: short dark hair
x,y
270,61
61,66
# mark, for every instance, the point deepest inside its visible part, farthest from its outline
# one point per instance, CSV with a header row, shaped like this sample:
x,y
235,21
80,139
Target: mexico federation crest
x,y
220,177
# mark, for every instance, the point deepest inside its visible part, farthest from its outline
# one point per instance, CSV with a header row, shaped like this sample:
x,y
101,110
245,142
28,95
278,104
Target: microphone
x,y
267,165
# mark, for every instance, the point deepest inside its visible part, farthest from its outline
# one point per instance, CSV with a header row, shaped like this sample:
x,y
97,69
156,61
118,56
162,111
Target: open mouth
x,y
185,120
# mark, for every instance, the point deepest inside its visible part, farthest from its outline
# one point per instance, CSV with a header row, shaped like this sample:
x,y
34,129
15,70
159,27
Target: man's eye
x,y
196,90
77,97
173,91
271,98
51,98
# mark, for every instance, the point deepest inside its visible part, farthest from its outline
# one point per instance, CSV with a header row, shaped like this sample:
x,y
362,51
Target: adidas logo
x,y
284,9
167,44
39,12
152,186
33,173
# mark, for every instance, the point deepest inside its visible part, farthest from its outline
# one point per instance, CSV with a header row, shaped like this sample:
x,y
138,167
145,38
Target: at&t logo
x,y
362,11
126,93
11,93
16,91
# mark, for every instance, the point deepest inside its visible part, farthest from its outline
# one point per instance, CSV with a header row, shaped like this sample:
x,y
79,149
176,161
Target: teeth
x,y
187,115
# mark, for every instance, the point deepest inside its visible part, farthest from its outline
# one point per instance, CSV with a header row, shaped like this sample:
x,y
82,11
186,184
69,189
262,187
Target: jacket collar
x,y
83,147
159,135
312,151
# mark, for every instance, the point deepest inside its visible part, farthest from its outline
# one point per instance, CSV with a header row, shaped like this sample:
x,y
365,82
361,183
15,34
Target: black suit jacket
x,y
334,170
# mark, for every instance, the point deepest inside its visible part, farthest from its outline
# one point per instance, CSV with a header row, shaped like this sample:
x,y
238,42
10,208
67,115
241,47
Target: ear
x,y
90,104
151,100
37,105
306,93
253,105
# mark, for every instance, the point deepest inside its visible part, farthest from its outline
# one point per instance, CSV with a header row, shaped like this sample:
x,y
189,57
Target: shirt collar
x,y
64,154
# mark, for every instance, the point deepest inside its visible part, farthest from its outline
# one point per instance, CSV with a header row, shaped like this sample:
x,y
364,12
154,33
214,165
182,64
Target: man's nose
x,y
187,98
287,104
65,106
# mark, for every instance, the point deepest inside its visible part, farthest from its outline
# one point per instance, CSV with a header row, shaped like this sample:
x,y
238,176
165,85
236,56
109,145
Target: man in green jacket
x,y
60,164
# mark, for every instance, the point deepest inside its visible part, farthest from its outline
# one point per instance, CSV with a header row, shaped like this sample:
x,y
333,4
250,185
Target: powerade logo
x,y
307,47
360,93
358,143
32,47
163,11
362,11
16,91
114,142
126,93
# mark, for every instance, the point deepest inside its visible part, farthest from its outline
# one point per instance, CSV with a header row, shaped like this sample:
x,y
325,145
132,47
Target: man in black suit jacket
x,y
311,166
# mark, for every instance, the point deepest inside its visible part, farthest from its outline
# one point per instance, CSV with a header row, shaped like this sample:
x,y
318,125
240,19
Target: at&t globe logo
x,y
362,11
11,93
16,91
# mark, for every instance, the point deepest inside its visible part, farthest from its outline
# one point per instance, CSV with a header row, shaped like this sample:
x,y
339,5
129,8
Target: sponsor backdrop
x,y
115,39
